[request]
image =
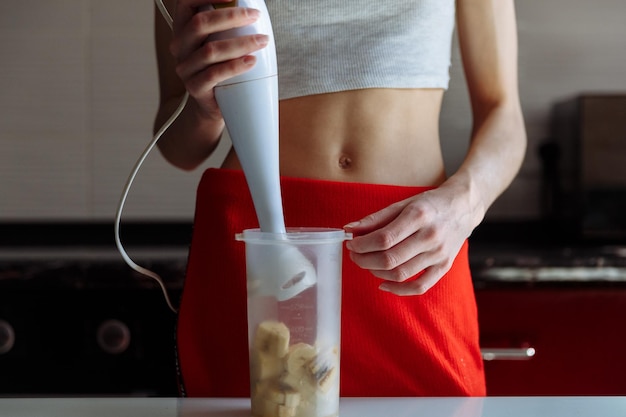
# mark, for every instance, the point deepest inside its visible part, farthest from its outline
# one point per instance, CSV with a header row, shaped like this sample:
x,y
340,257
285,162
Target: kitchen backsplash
x,y
79,91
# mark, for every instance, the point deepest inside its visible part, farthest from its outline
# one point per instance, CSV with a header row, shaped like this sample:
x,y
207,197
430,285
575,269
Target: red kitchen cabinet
x,y
578,334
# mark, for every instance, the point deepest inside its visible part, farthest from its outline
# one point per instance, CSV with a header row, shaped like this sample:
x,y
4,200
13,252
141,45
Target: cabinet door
x,y
578,336
69,342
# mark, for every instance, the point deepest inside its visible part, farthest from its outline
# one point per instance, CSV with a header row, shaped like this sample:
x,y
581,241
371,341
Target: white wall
x,y
78,82
78,94
566,47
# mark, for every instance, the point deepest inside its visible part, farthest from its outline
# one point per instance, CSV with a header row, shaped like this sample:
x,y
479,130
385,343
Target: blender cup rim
x,y
297,235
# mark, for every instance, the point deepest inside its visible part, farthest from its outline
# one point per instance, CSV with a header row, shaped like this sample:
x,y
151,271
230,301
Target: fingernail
x,y
384,287
261,39
249,59
253,13
351,225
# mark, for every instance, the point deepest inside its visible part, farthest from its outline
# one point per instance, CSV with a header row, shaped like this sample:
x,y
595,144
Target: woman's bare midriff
x,y
378,136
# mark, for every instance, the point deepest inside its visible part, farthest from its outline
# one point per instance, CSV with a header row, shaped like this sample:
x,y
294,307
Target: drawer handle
x,y
7,337
507,354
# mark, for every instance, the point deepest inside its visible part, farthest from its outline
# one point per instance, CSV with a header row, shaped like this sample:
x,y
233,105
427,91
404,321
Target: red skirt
x,y
423,345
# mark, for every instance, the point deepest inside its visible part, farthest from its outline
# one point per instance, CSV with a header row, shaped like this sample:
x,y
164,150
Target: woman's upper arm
x,y
487,32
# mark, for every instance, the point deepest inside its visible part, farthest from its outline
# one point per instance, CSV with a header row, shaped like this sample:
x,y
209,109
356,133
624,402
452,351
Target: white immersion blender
x,y
249,105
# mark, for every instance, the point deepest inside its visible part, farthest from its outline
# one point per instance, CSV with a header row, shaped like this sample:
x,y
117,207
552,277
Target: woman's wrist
x,y
466,198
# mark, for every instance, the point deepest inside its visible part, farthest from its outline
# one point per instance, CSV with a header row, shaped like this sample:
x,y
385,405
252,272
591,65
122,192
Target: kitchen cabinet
x,y
577,331
78,321
70,342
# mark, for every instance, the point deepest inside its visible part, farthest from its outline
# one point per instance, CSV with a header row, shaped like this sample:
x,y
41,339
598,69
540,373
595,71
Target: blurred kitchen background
x,y
78,93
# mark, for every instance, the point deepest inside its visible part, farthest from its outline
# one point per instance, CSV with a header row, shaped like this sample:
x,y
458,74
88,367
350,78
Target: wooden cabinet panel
x,y
579,337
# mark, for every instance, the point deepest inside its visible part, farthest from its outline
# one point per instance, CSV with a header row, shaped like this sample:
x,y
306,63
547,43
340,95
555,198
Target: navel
x,y
345,162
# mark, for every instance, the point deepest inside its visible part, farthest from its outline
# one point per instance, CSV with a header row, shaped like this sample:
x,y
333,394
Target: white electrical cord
x,y
166,15
133,174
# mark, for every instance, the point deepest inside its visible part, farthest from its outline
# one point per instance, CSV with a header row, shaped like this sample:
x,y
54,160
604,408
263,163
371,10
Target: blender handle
x,y
249,105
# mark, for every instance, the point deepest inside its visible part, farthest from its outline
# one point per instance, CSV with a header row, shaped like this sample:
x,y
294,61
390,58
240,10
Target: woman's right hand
x,y
201,63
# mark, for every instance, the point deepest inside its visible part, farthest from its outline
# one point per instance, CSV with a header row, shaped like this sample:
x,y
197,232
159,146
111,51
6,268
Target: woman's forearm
x,y
496,152
193,136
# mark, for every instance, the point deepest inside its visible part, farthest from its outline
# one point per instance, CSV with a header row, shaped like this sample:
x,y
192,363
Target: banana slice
x,y
263,367
324,370
272,338
282,394
327,379
292,397
285,411
302,384
272,399
271,409
298,357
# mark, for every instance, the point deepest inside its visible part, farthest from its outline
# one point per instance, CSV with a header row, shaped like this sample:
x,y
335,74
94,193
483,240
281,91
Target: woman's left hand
x,y
423,233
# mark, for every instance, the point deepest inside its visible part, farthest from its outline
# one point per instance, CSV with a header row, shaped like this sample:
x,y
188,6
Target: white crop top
x,y
354,44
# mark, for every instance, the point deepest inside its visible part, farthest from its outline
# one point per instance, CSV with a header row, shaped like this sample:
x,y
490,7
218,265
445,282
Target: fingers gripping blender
x,y
249,105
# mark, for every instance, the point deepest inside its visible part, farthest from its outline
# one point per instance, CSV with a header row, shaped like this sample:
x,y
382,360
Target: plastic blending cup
x,y
294,320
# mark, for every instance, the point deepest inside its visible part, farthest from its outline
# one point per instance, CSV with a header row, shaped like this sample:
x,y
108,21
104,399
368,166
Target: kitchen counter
x,y
350,407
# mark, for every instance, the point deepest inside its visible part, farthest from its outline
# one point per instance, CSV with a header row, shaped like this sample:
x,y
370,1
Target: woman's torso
x,y
368,83
379,136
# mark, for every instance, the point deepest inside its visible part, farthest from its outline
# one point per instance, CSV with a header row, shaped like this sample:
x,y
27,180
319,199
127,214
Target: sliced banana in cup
x,y
272,338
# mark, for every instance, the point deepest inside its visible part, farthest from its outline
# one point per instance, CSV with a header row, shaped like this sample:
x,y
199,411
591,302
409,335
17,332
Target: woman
x,y
361,88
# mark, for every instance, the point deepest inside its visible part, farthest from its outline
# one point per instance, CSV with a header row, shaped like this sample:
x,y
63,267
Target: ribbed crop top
x,y
327,46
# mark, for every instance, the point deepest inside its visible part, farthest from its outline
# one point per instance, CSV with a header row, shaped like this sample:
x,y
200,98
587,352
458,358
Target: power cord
x,y
133,174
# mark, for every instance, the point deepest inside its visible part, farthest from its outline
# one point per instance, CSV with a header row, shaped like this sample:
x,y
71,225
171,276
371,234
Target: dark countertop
x,y
62,234
178,233
501,253
174,233
538,253
77,255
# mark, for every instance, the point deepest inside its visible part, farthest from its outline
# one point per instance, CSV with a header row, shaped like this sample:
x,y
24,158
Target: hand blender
x,y
249,105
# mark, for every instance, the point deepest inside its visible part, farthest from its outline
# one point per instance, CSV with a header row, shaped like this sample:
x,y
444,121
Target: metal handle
x,y
507,354
7,337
